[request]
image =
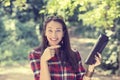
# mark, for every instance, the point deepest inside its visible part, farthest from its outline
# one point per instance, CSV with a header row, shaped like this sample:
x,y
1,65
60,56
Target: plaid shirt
x,y
57,71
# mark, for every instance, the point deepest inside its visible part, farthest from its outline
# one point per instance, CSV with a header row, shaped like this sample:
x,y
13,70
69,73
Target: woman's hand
x,y
49,52
97,63
90,69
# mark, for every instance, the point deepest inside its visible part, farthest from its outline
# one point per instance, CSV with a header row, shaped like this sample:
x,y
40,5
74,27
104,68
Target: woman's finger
x,y
98,60
99,55
54,47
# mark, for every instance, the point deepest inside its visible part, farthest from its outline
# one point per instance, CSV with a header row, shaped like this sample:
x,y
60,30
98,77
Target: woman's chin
x,y
53,44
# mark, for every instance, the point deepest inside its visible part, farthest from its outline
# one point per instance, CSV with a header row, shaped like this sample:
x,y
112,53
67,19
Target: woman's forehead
x,y
54,24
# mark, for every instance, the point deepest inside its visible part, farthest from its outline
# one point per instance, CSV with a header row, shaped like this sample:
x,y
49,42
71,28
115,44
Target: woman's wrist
x,y
89,73
90,68
43,60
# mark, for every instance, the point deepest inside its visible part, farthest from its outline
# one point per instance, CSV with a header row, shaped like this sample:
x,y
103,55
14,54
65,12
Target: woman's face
x,y
54,32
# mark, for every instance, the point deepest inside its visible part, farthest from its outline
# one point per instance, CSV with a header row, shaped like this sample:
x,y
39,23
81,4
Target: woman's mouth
x,y
53,39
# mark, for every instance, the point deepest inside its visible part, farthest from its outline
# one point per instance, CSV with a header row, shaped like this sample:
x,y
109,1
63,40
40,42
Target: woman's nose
x,y
54,34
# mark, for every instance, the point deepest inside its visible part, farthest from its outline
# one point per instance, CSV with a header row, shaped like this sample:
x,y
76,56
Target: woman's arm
x,y
44,73
90,69
47,54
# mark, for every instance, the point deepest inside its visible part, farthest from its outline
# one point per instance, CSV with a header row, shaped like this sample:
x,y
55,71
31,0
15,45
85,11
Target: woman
x,y
54,59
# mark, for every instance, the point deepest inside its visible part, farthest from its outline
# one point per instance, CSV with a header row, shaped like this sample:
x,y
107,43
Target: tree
x,y
20,23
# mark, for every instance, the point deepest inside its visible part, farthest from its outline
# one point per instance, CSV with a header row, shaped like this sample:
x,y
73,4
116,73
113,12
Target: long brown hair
x,y
67,54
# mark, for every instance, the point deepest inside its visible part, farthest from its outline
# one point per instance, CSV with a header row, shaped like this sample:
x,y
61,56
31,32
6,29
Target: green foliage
x,y
64,8
16,39
100,13
93,12
22,37
20,24
25,31
86,31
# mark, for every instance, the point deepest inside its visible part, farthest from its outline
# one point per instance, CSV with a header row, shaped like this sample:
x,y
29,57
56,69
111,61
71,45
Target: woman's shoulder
x,y
77,54
75,51
35,53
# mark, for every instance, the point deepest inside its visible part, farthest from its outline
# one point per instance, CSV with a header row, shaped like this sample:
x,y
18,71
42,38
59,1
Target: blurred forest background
x,y
21,24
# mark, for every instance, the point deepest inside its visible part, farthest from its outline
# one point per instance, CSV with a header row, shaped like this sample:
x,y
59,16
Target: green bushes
x,y
16,40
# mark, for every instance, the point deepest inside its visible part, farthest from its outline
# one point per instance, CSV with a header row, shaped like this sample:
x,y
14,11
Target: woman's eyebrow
x,y
58,28
49,27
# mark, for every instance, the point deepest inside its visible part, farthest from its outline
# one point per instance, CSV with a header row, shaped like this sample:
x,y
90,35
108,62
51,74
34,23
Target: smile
x,y
53,39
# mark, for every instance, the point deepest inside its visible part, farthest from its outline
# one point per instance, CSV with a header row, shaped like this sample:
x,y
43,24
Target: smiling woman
x,y
54,33
54,59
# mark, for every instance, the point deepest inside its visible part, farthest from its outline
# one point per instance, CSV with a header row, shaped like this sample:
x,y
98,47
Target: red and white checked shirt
x,y
57,71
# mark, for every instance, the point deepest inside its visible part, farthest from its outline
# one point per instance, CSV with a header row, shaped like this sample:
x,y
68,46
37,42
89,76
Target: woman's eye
x,y
49,30
58,30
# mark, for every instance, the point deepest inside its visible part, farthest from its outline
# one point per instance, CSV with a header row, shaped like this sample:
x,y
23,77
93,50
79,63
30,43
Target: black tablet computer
x,y
98,47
